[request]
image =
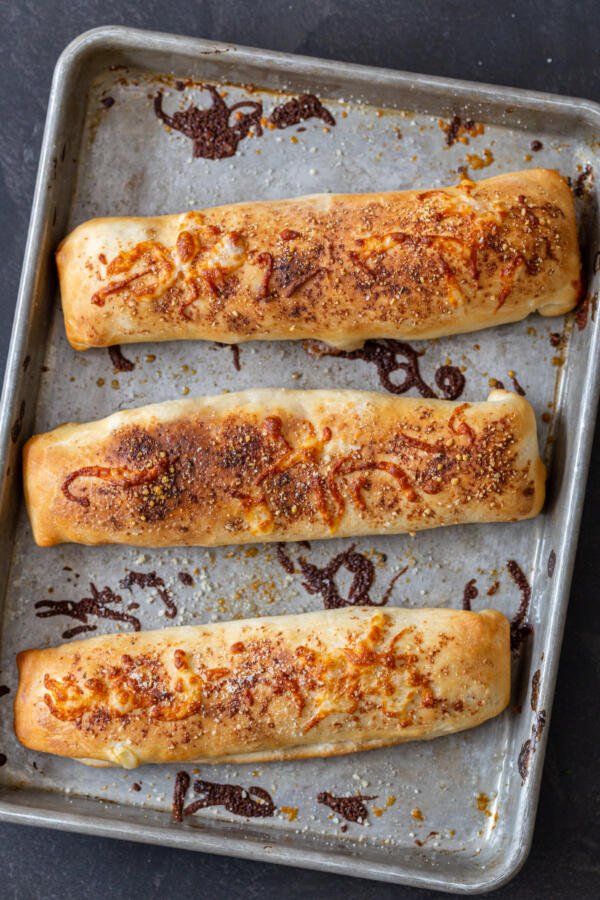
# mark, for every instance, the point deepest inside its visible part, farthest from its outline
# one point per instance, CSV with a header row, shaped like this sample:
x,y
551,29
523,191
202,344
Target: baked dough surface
x,y
283,465
339,268
286,687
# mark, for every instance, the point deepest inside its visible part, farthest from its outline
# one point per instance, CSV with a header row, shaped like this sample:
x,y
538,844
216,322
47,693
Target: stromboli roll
x,y
338,268
282,465
286,687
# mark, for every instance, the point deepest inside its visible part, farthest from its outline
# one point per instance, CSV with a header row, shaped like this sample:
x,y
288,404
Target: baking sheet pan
x,y
456,813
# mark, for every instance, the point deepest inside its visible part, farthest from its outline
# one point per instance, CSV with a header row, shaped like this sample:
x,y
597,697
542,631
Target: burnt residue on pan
x,y
252,802
152,580
298,109
351,808
321,579
100,604
520,630
470,593
390,356
210,130
120,362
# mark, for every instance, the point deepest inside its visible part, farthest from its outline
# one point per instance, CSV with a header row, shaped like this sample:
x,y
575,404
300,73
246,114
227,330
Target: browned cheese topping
x,y
250,475
376,672
386,260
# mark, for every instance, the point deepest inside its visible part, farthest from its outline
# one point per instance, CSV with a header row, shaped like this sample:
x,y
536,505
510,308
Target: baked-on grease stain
x,y
209,129
253,802
99,605
120,362
17,425
151,579
352,808
529,746
390,356
321,580
551,563
535,689
307,106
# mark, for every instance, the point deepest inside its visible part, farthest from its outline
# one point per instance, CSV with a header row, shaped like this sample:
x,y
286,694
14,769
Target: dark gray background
x,y
550,45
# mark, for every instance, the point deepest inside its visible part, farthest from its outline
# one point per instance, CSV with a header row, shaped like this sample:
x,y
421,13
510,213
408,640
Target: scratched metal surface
x,y
120,160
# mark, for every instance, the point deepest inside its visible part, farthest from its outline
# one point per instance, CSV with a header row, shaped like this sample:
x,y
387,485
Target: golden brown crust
x,y
296,686
339,268
267,465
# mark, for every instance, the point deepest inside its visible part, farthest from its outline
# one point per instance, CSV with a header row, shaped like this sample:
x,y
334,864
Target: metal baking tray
x,y
464,808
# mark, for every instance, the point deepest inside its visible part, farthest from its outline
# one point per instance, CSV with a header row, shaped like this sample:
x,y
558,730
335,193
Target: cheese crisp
x,y
281,465
339,268
287,687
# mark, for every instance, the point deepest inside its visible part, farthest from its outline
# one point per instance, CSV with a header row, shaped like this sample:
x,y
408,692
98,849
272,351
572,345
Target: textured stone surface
x,y
549,46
